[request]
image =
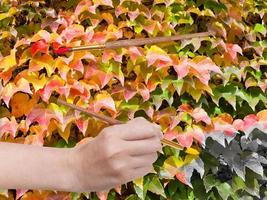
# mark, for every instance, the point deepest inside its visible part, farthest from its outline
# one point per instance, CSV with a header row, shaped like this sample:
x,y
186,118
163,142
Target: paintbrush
x,y
130,42
109,120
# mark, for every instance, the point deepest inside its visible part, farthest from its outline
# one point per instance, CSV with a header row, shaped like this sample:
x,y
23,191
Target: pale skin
x,y
119,154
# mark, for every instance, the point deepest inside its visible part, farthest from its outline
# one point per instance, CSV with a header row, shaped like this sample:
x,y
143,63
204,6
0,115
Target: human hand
x,y
119,154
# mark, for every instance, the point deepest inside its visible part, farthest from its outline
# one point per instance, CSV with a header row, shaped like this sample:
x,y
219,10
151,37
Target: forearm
x,y
33,167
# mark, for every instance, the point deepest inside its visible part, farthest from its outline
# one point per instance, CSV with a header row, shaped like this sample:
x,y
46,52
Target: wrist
x,y
69,178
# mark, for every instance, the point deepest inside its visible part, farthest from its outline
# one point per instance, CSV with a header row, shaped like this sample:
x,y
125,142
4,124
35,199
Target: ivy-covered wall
x,y
208,94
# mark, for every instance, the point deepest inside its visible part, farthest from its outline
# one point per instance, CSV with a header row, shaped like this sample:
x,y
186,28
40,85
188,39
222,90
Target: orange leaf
x,y
21,104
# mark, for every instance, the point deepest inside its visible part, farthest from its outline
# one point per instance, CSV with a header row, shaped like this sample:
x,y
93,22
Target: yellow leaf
x,y
107,17
51,128
139,182
42,34
12,11
66,133
95,127
44,61
192,151
189,158
37,82
5,34
9,61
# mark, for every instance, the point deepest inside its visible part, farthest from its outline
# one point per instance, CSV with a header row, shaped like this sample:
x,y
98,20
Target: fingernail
x,y
157,126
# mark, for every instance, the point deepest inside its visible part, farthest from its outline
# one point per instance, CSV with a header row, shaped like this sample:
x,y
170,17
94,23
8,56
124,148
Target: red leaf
x,y
39,46
182,69
185,139
42,116
199,114
232,50
144,92
54,84
72,32
129,93
8,126
181,177
82,125
171,134
250,120
239,124
198,134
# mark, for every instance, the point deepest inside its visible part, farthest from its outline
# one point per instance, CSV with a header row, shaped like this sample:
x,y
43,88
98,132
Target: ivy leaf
x,y
238,184
156,187
21,104
139,188
42,116
39,46
253,163
224,190
45,61
8,126
215,5
8,62
104,100
260,28
196,164
210,182
156,54
11,88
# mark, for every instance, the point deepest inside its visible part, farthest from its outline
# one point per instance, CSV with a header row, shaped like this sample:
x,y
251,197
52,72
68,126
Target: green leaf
x,y
238,184
172,187
252,184
260,28
62,143
139,188
75,196
156,187
112,195
132,197
224,190
210,182
213,5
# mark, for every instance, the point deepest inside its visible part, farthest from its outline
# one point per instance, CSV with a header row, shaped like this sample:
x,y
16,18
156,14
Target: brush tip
x,y
62,50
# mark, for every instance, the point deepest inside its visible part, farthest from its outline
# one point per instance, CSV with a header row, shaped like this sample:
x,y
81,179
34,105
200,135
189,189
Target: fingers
x,y
139,129
143,161
140,172
143,147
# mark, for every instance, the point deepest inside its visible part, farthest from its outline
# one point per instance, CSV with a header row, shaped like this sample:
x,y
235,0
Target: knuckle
x,y
108,132
122,175
152,130
114,157
140,119
108,150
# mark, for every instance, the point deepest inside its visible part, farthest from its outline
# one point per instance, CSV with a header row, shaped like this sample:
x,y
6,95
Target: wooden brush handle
x,y
143,41
113,121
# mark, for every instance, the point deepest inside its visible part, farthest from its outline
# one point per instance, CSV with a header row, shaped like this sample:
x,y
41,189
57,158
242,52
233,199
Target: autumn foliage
x,y
197,89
